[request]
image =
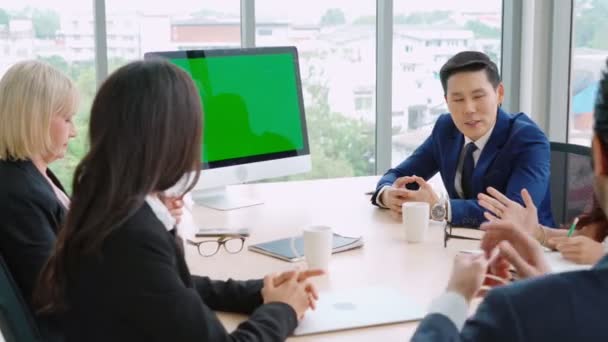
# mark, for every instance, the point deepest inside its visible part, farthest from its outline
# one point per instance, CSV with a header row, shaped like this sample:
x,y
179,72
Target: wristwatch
x,y
439,211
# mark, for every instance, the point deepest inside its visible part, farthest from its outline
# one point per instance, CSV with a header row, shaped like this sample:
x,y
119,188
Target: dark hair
x,y
467,61
600,113
145,135
595,216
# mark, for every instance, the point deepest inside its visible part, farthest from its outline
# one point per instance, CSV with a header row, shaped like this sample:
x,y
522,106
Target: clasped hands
x,y
292,287
394,196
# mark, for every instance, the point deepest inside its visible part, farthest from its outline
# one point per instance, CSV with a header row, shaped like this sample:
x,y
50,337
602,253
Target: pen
x,y
571,230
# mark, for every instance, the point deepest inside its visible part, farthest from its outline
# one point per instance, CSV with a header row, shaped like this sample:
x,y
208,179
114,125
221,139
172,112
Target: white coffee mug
x,y
415,220
318,241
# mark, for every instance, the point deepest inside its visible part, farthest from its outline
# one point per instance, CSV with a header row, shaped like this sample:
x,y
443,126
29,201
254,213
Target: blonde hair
x,y
31,94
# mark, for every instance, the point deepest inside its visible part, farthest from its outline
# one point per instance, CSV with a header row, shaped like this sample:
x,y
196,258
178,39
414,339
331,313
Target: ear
x,y
500,90
600,161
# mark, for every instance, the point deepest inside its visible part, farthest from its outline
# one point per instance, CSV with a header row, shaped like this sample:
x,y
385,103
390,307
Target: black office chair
x,y
571,181
16,321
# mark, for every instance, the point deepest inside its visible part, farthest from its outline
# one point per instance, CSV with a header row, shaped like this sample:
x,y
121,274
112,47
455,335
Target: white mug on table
x,y
318,243
415,217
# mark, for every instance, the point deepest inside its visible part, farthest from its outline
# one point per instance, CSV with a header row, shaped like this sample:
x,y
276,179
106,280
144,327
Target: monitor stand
x,y
221,199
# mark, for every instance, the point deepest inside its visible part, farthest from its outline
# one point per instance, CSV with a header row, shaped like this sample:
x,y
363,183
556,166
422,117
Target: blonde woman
x,y
37,104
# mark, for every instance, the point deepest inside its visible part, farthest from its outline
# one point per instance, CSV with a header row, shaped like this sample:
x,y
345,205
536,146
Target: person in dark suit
x,y
37,104
560,307
118,271
475,146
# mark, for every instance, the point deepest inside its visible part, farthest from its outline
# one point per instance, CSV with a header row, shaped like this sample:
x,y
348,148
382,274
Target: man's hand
x,y
393,197
469,273
516,246
501,208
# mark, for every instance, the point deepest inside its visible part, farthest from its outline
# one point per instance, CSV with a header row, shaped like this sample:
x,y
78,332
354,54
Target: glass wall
x,y
136,27
589,52
32,29
336,41
426,34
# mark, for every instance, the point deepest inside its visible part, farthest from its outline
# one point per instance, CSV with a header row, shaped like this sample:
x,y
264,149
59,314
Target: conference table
x,y
418,270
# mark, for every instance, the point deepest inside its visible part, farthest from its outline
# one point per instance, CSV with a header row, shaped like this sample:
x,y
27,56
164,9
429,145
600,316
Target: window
x,y
30,30
589,52
164,26
439,29
336,41
265,32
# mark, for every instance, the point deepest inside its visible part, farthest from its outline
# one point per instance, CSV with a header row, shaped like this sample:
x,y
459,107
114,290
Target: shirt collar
x,y
482,141
160,210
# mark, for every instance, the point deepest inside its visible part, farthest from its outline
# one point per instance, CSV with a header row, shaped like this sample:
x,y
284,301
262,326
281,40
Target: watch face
x,y
438,212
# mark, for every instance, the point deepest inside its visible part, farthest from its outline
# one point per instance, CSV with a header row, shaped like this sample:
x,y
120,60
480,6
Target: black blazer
x,y
30,215
570,306
138,288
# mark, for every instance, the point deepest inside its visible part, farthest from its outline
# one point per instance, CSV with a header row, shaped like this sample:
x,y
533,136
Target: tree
x,y
57,62
365,20
481,30
46,23
4,17
422,18
590,25
333,17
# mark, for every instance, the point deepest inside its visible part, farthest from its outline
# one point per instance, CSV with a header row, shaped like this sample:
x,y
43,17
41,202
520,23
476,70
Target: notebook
x,y
282,248
558,264
359,307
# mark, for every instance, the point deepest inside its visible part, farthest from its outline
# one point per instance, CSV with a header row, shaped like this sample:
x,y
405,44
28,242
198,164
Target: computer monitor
x,y
254,126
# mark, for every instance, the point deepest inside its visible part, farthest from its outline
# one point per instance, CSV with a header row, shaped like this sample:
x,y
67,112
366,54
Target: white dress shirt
x,y
453,306
186,227
480,143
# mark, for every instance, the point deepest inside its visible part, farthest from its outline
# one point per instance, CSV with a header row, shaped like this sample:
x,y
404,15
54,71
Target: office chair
x,y
571,181
16,320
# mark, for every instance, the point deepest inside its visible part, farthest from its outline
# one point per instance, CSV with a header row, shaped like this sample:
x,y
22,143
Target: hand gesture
x,y
515,246
501,208
468,274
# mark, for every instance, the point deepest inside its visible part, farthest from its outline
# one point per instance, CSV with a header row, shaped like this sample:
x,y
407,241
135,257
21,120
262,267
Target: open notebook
x,y
282,248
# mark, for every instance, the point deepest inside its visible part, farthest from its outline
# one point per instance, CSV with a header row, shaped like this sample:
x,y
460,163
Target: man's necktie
x,y
468,166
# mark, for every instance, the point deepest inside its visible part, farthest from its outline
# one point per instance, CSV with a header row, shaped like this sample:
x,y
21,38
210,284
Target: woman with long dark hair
x,y
118,272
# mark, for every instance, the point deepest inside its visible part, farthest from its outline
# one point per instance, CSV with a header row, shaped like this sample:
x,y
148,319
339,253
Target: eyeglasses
x,y
232,244
447,234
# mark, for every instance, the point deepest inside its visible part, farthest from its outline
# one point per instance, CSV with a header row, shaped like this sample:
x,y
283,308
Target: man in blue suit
x,y
475,146
570,306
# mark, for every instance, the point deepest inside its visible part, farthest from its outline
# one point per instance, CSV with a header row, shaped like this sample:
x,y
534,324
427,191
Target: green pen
x,y
571,230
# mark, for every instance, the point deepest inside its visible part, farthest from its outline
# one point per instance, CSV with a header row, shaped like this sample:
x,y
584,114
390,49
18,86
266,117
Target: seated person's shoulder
x,y
544,289
522,126
444,121
17,186
141,228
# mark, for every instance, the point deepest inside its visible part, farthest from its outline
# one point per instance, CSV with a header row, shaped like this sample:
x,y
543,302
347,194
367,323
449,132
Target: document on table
x,y
558,264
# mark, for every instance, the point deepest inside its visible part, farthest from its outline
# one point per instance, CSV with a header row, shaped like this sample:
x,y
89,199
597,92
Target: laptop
x,y
357,308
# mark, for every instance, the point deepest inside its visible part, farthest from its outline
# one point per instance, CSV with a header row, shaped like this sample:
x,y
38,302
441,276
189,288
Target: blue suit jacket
x,y
516,156
570,306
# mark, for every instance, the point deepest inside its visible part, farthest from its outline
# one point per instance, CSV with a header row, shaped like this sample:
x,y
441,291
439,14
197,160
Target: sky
x,y
297,11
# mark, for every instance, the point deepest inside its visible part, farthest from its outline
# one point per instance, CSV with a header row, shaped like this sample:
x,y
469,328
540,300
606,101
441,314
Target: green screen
x,y
250,104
